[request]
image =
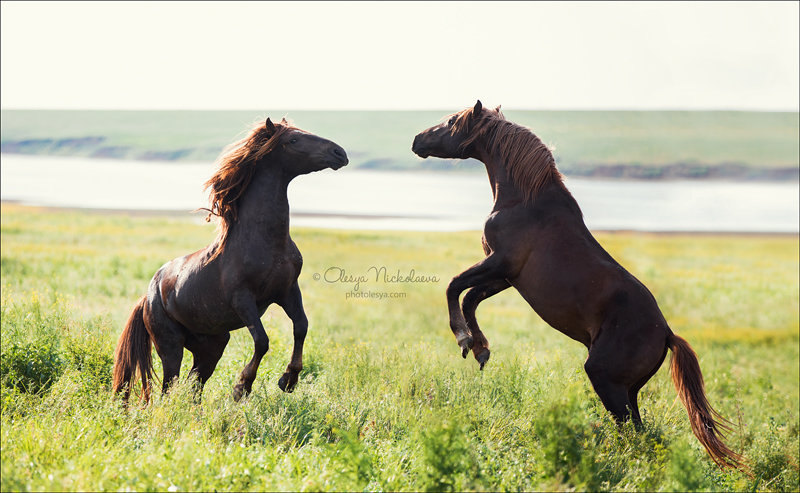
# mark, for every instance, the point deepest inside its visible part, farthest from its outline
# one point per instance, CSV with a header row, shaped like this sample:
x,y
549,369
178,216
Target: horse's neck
x,y
507,193
504,191
264,210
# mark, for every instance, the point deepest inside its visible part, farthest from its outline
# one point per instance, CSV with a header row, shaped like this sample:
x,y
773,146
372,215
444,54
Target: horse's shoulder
x,y
293,252
502,222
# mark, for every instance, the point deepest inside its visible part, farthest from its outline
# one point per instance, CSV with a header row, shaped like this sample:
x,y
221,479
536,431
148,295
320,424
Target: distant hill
x,y
632,144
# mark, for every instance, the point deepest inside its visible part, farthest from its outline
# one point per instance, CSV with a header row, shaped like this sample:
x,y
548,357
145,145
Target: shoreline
x,y
676,171
189,215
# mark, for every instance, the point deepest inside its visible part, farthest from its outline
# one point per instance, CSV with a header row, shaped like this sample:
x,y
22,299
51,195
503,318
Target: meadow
x,y
385,402
583,141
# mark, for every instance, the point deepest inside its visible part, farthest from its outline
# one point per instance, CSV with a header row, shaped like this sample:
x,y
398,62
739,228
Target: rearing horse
x,y
194,301
535,240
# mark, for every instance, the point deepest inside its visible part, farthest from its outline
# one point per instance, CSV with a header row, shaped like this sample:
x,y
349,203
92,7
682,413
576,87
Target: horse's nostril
x,y
338,152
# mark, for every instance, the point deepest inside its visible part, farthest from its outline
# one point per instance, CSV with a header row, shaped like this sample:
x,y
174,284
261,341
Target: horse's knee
x,y
300,329
454,289
261,344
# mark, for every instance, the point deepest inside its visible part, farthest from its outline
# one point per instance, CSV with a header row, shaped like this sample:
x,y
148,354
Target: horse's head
x,y
270,151
451,138
299,152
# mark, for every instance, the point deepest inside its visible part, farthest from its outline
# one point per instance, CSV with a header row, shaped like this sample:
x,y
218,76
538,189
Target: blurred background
x,y
662,116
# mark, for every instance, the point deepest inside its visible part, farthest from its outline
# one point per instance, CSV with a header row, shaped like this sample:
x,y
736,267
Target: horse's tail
x,y
132,354
707,424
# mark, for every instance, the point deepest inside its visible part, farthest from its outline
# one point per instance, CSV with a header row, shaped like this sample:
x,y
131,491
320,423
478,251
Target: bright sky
x,y
400,55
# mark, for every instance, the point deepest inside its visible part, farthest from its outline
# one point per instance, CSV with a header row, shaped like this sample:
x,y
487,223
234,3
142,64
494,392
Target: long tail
x,y
132,354
707,424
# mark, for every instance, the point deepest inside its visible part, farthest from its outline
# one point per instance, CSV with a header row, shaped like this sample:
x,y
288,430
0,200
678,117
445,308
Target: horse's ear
x,y
283,121
270,127
476,111
498,108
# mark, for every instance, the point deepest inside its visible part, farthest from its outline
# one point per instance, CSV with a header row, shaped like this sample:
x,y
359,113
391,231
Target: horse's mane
x,y
528,161
235,169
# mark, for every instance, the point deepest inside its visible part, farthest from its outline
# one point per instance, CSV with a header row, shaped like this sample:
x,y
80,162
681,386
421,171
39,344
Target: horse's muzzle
x,y
339,158
418,148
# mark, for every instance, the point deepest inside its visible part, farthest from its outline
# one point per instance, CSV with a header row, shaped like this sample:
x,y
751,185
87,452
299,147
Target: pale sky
x,y
400,55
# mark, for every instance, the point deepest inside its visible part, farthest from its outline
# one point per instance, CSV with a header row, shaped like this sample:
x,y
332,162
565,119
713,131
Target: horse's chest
x,y
271,278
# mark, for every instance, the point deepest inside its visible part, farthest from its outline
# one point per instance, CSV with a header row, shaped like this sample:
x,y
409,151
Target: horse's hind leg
x,y
612,393
293,306
634,390
619,364
207,351
168,338
608,372
475,296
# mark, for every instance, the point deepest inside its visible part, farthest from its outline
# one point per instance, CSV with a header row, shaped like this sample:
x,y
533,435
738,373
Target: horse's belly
x,y
202,304
560,316
565,303
205,313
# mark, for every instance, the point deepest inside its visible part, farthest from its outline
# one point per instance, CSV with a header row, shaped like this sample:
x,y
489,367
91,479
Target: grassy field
x,y
385,401
583,140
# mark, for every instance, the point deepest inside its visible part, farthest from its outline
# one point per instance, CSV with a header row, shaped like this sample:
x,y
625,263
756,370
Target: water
x,y
422,201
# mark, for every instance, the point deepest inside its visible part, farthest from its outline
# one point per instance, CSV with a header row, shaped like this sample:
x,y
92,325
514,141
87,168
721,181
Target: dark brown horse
x,y
194,302
536,241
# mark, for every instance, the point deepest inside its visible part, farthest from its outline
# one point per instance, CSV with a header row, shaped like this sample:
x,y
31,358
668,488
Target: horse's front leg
x,y
245,306
293,306
485,271
473,297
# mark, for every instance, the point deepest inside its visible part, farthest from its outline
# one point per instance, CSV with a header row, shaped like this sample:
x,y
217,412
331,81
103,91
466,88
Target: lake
x,y
423,201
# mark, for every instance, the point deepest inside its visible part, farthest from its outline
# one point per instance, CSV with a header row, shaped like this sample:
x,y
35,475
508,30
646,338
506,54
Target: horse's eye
x,y
293,141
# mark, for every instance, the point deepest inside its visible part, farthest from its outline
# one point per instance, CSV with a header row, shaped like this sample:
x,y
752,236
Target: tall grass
x,y
385,402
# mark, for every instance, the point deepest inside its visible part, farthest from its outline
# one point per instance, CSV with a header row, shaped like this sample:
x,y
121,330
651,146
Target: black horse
x,y
536,241
194,302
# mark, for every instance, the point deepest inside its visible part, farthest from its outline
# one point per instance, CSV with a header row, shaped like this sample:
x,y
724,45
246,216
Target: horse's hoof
x,y
241,390
287,382
238,392
483,357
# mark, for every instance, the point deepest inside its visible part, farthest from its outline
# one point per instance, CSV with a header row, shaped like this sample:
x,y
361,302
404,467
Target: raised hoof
x,y
287,381
483,357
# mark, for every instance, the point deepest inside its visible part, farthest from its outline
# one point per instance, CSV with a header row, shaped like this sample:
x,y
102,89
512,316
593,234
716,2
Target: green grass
x,y
382,139
385,401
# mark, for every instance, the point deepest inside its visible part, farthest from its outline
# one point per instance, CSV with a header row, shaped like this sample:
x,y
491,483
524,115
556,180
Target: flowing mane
x,y
235,169
528,161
